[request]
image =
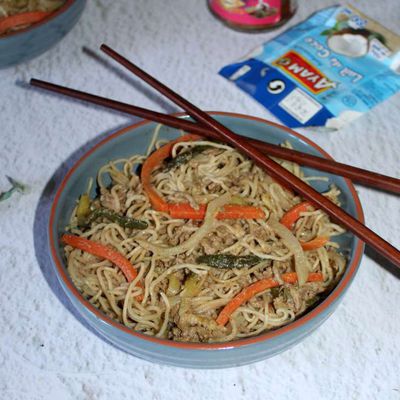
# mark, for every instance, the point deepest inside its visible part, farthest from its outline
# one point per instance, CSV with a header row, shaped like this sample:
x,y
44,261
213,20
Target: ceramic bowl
x,y
25,44
135,139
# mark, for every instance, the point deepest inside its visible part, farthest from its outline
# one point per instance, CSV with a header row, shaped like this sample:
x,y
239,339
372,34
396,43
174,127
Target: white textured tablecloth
x,y
45,351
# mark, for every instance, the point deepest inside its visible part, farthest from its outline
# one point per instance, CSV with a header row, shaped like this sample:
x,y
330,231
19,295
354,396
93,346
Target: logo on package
x,y
304,72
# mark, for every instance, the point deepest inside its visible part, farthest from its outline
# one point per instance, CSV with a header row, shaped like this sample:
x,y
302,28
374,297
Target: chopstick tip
x,y
35,82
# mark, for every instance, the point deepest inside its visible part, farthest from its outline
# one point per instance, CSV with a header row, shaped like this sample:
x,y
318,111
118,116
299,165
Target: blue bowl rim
x,y
52,16
330,299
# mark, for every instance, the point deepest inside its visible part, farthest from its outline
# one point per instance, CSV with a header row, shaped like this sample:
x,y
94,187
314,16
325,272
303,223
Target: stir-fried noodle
x,y
180,296
20,14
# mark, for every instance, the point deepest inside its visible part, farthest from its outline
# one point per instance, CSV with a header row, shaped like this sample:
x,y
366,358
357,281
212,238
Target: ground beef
x,y
107,200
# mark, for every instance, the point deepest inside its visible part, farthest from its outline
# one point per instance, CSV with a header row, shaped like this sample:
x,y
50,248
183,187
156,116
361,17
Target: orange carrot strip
x,y
184,210
237,211
230,211
100,250
291,216
316,243
291,277
26,18
257,287
152,162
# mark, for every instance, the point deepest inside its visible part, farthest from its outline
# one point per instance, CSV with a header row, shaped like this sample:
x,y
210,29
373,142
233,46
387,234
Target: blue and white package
x,y
326,71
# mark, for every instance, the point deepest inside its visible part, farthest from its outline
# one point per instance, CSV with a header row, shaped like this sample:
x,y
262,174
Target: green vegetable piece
x,y
6,195
125,222
228,261
83,209
174,285
192,286
16,187
312,301
275,292
185,157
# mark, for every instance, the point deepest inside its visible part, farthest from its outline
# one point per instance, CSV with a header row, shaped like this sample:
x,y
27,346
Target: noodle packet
x,y
326,71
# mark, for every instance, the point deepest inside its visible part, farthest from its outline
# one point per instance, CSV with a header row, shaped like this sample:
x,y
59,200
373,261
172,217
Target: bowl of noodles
x,y
28,28
179,250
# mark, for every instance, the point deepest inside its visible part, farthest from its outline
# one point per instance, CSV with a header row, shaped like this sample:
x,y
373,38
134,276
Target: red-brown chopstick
x,y
274,169
358,175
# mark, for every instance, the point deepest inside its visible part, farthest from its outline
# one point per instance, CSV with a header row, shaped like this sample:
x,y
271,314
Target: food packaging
x,y
325,71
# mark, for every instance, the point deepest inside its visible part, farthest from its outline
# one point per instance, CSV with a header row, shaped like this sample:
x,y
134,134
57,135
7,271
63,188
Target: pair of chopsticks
x,y
359,175
254,149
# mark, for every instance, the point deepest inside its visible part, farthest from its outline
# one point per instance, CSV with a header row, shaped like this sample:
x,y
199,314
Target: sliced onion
x,y
209,219
291,242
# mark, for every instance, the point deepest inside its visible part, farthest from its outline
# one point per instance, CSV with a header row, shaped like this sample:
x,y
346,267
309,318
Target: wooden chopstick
x,y
358,175
271,167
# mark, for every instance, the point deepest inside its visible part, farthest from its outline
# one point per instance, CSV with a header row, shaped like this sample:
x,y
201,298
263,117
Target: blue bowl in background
x,y
25,44
135,139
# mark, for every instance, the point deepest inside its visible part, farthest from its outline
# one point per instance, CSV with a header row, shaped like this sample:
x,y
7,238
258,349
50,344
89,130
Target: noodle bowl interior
x,y
19,14
218,249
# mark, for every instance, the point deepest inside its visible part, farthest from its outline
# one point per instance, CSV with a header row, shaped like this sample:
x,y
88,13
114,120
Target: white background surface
x,y
45,352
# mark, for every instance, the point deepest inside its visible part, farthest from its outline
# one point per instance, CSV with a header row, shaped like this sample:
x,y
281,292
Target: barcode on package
x,y
300,105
